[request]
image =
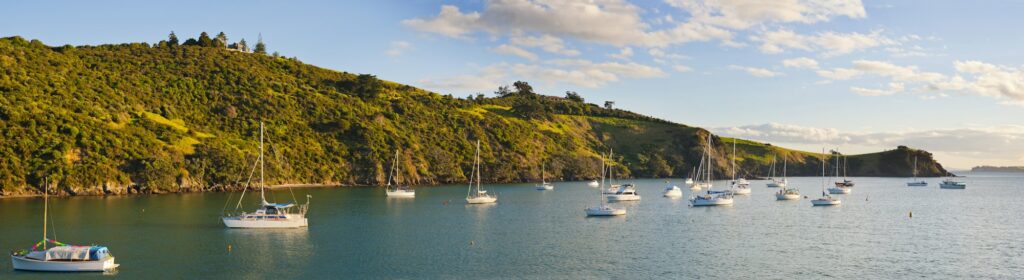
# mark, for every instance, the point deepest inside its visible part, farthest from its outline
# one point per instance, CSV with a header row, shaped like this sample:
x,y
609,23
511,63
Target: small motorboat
x,y
593,184
626,193
672,191
951,184
787,194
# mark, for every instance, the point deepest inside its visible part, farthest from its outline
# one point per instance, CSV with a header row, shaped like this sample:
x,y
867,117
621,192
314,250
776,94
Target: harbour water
x,y
358,233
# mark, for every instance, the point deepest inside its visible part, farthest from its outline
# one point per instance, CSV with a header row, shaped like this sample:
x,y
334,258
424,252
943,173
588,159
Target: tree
x,y
609,104
243,46
523,88
529,108
573,96
190,42
260,47
221,40
503,91
172,39
204,40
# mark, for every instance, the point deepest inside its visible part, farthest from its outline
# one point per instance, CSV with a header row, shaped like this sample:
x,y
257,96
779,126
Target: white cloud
x,y
682,68
893,88
449,22
516,51
547,43
1001,82
398,48
575,72
839,73
961,148
756,72
624,53
800,62
828,43
743,14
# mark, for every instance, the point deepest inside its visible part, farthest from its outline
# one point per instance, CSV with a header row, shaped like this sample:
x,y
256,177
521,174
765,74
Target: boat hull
x,y
820,202
545,188
952,186
291,222
623,197
840,190
673,193
787,196
481,200
741,191
26,264
401,193
605,211
711,202
917,184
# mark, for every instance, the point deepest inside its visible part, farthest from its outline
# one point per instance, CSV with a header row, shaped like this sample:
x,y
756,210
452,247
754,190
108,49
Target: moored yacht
x,y
672,191
544,185
915,182
399,190
603,209
738,186
626,193
478,196
949,183
710,198
61,257
268,215
825,199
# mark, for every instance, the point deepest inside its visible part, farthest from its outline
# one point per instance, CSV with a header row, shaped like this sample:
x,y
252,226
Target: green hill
x,y
146,118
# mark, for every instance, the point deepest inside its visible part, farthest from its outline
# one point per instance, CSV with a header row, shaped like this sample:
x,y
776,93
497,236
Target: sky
x,y
860,76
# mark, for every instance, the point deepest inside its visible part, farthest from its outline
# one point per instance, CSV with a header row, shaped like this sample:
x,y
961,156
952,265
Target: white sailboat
x,y
825,199
269,215
786,193
544,185
776,182
478,196
915,182
624,192
846,181
402,191
841,186
62,257
741,186
603,209
710,198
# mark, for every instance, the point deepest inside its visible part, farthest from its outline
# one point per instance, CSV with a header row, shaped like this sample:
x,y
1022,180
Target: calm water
x,y
358,233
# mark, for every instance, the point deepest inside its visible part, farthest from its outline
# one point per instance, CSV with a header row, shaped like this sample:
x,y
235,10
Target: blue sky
x,y
945,76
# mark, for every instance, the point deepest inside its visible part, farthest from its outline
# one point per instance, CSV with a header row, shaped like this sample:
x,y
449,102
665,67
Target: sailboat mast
x,y
600,188
478,166
915,168
262,163
46,213
784,168
733,158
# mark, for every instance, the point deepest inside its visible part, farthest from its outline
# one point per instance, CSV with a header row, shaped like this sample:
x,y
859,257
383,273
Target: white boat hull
x,y
545,187
741,191
605,211
401,193
23,263
711,202
593,184
673,192
840,190
293,221
825,202
481,200
623,197
787,196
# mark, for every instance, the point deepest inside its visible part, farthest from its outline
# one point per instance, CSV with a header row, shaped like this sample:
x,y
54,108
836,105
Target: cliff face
x,y
134,118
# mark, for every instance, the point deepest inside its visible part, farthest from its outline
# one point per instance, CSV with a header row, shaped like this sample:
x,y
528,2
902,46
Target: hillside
x,y
116,119
986,168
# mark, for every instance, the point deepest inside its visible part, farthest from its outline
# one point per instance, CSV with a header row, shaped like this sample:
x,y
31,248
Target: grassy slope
x,y
171,119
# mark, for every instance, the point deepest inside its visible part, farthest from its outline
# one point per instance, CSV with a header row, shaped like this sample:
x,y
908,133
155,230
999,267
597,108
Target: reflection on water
x,y
359,233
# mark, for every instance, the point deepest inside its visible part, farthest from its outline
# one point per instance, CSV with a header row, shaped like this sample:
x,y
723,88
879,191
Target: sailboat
x,y
399,190
825,199
710,198
915,182
478,196
603,209
62,257
846,182
269,215
741,186
544,185
786,193
624,192
949,183
840,186
775,182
